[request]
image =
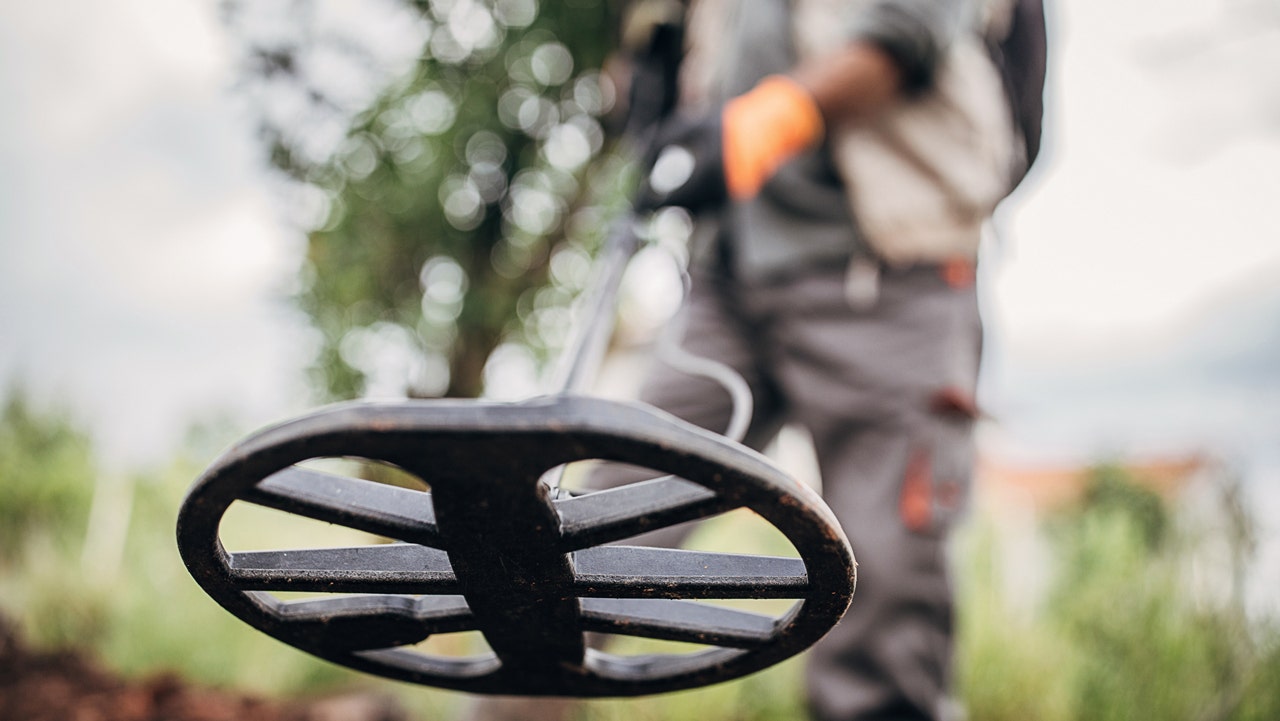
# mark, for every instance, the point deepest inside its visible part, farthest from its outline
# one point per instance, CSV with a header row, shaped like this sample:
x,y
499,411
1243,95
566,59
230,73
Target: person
x,y
841,159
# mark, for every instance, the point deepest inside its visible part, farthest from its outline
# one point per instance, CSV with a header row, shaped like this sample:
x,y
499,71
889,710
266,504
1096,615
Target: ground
x,y
66,686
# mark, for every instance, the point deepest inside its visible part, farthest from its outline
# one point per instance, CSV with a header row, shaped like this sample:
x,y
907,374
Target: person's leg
x,y
885,394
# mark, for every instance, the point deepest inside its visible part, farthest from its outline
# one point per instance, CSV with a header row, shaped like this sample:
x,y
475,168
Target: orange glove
x,y
765,128
733,153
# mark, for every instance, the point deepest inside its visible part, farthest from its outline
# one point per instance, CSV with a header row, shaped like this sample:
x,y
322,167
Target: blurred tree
x,y
455,209
1110,489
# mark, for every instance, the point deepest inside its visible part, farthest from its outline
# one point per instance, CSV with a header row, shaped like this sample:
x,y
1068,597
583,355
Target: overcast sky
x,y
1161,177
143,256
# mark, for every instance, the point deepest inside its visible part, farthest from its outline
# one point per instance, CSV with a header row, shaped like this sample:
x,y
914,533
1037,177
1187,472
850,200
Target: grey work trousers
x,y
886,393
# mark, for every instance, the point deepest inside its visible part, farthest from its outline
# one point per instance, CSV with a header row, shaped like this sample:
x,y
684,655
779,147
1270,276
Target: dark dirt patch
x,y
66,686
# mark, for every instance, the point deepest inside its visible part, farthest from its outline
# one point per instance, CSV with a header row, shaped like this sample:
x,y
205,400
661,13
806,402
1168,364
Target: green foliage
x,y
46,475
157,619
139,610
1109,490
1143,649
1259,699
1118,635
454,193
1010,664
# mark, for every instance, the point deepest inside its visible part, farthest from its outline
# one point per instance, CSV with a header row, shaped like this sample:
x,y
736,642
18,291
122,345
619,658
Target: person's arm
x,y
851,83
893,50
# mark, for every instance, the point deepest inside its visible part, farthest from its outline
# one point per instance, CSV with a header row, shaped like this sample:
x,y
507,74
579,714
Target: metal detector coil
x,y
492,548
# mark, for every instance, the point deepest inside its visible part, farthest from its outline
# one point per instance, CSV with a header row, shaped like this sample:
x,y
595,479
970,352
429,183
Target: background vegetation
x,y
459,207
1120,630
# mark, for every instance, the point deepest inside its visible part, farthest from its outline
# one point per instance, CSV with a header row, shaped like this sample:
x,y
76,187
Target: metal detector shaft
x,y
596,307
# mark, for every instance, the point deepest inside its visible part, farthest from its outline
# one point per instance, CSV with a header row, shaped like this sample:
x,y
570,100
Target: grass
x,y
1110,633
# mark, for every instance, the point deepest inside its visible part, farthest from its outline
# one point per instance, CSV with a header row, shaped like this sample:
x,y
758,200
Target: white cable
x,y
670,351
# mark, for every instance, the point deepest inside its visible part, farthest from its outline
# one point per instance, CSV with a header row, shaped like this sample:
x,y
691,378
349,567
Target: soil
x,y
67,686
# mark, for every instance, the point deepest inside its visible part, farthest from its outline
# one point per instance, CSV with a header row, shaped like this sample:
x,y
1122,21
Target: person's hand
x,y
697,163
